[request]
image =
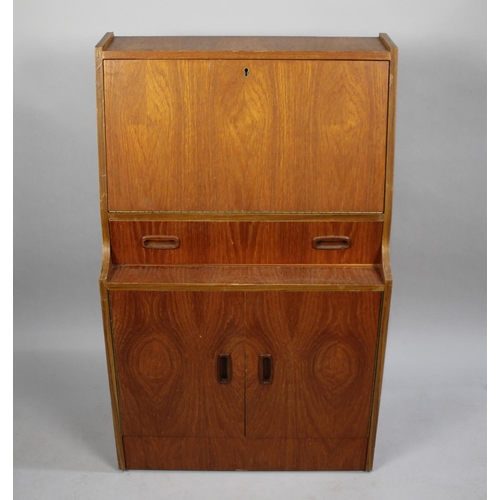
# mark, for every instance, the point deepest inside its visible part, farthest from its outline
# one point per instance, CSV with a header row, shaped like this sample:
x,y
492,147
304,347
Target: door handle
x,y
265,369
224,369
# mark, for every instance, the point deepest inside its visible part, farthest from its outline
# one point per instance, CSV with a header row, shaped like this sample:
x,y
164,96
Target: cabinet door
x,y
283,136
171,379
318,380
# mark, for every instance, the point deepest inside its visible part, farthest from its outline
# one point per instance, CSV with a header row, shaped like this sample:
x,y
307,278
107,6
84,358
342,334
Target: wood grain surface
x,y
241,47
386,260
246,278
246,148
244,242
293,136
166,348
391,143
244,454
323,347
106,251
245,216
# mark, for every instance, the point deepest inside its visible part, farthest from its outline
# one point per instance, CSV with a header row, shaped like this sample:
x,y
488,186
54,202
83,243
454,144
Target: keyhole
x,y
246,71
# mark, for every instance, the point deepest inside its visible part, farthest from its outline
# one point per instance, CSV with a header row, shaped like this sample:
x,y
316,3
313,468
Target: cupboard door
x,y
310,363
172,380
284,136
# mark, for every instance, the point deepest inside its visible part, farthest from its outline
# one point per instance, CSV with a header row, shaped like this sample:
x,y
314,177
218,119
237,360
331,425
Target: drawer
x,y
208,242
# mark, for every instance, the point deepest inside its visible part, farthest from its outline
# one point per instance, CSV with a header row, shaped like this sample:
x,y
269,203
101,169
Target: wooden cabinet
x,y
246,194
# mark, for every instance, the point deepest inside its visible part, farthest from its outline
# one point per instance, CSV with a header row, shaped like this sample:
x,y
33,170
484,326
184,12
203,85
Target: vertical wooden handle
x,y
265,369
224,369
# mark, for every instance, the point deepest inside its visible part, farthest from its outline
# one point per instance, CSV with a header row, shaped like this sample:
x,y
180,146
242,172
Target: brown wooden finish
x,y
305,454
265,370
245,217
331,242
244,454
113,387
160,242
386,266
106,253
379,372
101,145
391,141
166,347
242,242
246,191
185,453
323,347
246,278
200,136
245,47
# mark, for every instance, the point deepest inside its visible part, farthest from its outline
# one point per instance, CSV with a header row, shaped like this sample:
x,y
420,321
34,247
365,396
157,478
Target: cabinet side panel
x,y
386,264
106,254
379,373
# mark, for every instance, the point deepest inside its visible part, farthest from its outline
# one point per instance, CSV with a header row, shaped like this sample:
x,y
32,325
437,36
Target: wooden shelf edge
x,y
246,47
249,56
246,278
184,287
246,217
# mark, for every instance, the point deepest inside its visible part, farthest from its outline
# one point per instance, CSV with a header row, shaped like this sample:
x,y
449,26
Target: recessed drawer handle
x,y
224,369
265,369
331,242
160,242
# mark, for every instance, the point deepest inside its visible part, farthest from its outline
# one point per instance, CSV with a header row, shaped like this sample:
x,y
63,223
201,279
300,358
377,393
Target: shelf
x,y
246,278
243,47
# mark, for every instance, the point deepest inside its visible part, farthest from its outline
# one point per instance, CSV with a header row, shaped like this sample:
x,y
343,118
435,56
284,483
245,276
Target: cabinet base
x,y
159,453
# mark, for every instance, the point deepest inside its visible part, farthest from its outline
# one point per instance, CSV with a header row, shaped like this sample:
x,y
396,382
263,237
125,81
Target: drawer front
x,y
181,242
285,136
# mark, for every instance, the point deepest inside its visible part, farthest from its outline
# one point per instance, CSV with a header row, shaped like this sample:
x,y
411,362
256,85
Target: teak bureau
x,y
246,193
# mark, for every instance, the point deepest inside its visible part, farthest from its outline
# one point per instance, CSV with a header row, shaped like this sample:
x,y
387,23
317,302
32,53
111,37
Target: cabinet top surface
x,y
244,47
